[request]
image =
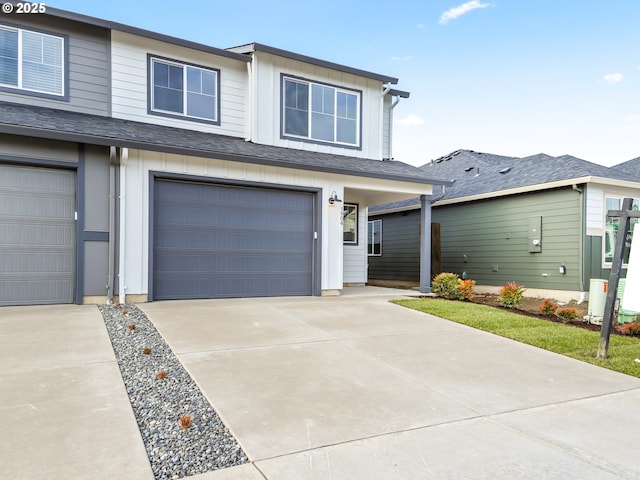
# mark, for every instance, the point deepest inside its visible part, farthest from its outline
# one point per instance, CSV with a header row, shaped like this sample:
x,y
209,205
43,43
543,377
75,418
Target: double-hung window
x,y
184,90
32,61
319,112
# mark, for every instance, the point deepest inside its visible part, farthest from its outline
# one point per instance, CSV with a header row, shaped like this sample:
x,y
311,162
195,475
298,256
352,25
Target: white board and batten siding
x,y
129,83
267,109
140,163
339,264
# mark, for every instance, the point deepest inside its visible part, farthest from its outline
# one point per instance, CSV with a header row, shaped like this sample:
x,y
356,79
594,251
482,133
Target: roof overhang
x,y
259,47
517,191
39,122
121,27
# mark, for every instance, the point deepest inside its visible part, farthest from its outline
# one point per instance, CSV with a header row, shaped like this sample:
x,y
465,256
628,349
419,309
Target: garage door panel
x,y
229,241
37,235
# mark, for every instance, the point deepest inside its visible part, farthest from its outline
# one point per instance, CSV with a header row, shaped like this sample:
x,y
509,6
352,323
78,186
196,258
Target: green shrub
x,y
548,307
445,285
567,313
510,294
448,285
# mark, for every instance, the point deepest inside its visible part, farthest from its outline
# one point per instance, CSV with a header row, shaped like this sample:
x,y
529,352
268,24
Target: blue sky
x,y
510,77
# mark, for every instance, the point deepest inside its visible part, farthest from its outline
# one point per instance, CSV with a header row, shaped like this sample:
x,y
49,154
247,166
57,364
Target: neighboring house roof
x,y
98,130
484,175
632,167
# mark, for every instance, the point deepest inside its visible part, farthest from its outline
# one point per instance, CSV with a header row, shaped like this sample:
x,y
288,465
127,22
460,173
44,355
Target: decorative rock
x,y
158,406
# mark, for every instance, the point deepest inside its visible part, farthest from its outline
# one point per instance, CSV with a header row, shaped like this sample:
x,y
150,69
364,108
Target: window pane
x,y
296,122
296,95
160,74
167,89
42,62
322,99
350,224
347,131
296,114
9,57
194,80
167,99
322,127
201,106
612,225
374,237
209,82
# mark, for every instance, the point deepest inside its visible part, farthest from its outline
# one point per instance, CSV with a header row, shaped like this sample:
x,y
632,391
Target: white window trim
x,y
356,234
369,223
605,263
63,73
184,114
337,89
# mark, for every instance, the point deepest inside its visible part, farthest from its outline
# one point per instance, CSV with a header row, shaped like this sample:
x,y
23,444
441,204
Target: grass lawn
x,y
567,340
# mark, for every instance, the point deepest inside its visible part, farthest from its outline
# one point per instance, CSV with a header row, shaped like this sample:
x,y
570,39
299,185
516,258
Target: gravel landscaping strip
x,y
159,404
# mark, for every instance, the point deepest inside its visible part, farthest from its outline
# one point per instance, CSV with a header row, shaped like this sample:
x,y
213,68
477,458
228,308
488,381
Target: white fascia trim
x,y
542,186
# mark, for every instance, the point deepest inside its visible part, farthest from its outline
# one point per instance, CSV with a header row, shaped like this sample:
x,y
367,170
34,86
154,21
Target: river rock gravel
x,y
160,403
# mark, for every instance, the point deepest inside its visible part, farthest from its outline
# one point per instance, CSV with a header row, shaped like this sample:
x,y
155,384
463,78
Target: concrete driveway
x,y
349,387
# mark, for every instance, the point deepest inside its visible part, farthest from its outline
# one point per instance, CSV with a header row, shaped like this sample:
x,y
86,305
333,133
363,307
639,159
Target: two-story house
x,y
143,166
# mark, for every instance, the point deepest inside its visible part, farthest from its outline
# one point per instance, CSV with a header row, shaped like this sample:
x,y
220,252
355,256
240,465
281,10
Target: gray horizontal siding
x,y
478,236
89,70
400,259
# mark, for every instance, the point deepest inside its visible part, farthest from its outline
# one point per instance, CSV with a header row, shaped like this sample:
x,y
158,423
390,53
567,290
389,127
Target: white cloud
x,y
410,121
613,78
455,12
632,118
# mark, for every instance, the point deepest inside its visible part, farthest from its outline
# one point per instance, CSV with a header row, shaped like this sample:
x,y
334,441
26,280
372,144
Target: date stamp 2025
x,y
20,8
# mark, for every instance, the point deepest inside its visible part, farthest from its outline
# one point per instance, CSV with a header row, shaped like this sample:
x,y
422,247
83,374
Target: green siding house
x,y
539,221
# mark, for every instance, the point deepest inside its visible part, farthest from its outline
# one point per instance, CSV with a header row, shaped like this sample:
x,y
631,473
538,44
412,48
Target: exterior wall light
x,y
334,198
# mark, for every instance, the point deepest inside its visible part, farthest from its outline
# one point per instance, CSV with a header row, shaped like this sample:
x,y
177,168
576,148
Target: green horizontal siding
x,y
496,232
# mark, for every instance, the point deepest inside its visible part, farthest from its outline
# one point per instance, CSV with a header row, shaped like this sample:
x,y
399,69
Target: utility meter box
x,y
535,235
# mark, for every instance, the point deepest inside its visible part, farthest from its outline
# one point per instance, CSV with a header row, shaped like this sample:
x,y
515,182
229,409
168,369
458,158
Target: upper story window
x,y
32,61
319,112
611,225
184,90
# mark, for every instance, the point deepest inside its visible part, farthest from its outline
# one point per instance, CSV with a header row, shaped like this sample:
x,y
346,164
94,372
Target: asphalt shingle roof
x,y
98,130
632,167
477,173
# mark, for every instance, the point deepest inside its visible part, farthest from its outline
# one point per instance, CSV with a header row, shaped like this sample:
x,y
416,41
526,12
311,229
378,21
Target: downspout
x,y
393,105
439,197
381,125
124,154
113,160
250,114
583,292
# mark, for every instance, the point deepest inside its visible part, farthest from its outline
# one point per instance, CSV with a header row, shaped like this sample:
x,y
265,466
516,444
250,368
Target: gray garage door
x,y
37,235
215,241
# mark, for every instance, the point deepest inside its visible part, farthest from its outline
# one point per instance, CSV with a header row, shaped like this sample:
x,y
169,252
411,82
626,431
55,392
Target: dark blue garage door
x,y
216,241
